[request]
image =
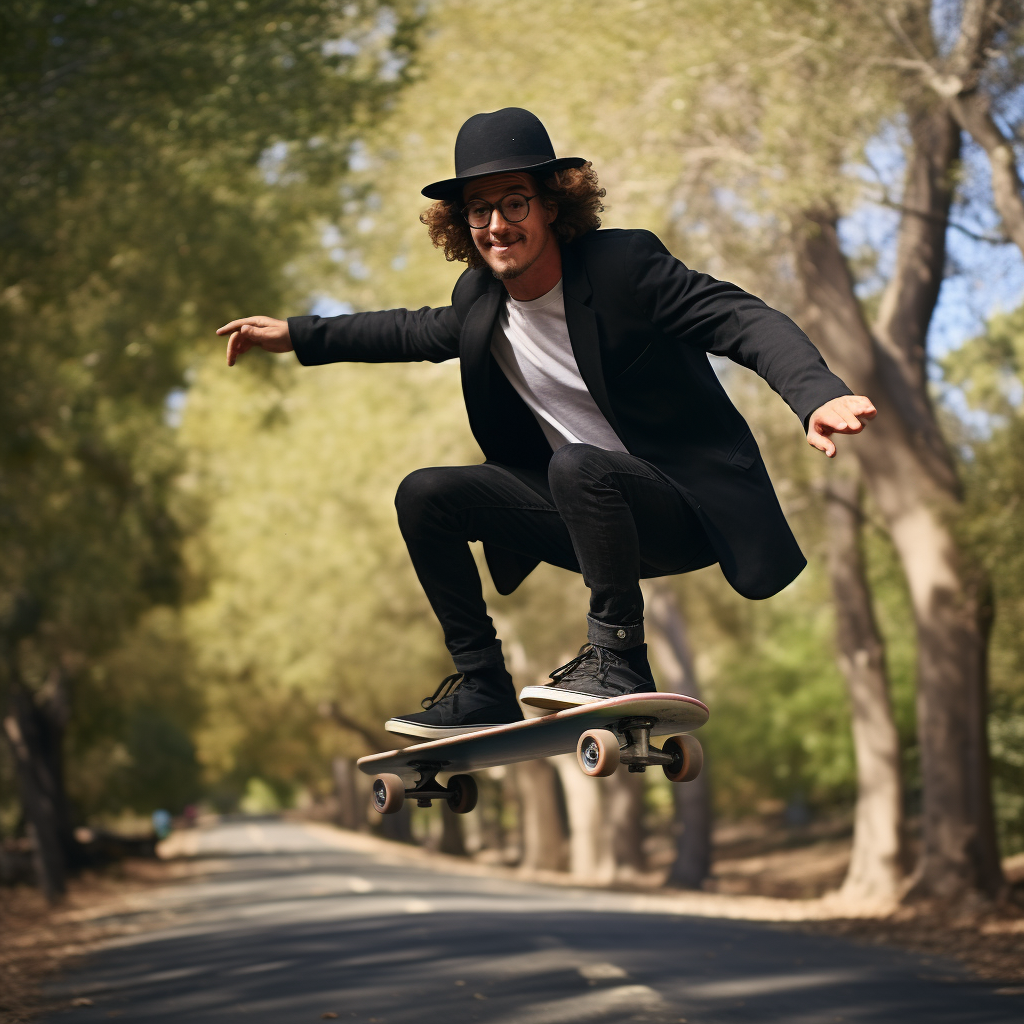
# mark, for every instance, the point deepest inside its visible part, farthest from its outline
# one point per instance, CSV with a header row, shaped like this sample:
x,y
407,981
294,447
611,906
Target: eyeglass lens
x,y
513,207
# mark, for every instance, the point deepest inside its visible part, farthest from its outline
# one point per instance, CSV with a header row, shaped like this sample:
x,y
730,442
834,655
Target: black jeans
x,y
608,515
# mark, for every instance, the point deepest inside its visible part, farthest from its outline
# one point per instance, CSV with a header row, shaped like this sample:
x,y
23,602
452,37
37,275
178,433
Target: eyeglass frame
x,y
497,206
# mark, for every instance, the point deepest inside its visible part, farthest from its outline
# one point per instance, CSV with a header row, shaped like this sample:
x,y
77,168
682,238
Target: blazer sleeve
x,y
725,320
388,336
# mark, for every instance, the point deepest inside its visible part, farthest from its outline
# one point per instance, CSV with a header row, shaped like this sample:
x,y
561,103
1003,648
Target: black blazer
x,y
641,324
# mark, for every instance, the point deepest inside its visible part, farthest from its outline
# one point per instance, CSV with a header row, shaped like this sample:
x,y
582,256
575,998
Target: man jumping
x,y
612,449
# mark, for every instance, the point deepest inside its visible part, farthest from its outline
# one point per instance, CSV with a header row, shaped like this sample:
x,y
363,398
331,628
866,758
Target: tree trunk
x,y
669,640
39,791
396,827
452,842
949,596
623,799
545,843
590,855
877,858
351,813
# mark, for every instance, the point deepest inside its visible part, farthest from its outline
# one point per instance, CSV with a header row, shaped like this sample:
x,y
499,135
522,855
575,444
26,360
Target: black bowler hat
x,y
510,139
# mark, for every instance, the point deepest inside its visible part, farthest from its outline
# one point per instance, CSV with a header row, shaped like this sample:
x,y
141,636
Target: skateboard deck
x,y
628,721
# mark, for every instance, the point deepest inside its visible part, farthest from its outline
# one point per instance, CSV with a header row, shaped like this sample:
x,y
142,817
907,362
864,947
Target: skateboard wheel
x,y
388,794
598,752
463,793
687,758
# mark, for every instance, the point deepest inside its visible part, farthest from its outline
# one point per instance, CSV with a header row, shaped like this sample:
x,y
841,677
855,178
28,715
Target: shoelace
x,y
587,651
448,684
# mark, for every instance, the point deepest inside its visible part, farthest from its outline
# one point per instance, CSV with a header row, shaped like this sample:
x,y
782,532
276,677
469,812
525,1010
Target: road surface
x,y
286,925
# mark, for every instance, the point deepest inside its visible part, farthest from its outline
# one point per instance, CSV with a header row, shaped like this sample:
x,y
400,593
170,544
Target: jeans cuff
x,y
617,638
473,661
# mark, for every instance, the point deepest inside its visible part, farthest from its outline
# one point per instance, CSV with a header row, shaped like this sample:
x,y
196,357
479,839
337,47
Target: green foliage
x,y
706,121
137,707
259,798
310,596
989,373
168,166
159,163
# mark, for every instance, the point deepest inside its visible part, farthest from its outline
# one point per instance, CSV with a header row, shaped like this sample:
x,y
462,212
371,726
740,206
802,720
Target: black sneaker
x,y
596,673
462,703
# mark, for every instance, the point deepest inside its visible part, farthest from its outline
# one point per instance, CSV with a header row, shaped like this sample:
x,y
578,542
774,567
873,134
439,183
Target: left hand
x,y
840,416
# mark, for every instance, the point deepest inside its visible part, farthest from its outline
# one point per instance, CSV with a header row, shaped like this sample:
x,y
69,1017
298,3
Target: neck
x,y
541,276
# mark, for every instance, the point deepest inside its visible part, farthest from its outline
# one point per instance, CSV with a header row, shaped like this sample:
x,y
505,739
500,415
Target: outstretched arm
x,y
843,415
256,332
725,320
386,336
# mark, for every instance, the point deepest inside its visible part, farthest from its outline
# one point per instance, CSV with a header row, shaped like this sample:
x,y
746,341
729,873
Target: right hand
x,y
256,331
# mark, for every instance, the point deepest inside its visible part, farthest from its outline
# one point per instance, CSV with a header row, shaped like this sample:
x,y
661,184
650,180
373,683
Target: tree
x,y
669,640
744,133
877,861
988,372
142,149
310,597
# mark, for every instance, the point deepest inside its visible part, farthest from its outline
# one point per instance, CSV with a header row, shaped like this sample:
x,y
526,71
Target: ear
x,y
551,209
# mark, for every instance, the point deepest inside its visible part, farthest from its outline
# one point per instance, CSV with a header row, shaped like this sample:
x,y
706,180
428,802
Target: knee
x,y
420,493
571,465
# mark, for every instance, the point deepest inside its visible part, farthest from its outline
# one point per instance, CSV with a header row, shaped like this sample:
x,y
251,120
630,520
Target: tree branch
x,y
913,289
973,113
892,204
957,85
371,737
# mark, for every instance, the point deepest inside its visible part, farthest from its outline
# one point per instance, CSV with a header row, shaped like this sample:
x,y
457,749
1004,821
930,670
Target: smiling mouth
x,y
503,247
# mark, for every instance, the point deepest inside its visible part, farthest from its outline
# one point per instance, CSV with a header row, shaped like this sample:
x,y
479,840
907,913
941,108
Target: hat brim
x,y
451,188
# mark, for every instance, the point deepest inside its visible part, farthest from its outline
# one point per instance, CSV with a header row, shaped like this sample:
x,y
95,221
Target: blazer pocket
x,y
744,452
639,363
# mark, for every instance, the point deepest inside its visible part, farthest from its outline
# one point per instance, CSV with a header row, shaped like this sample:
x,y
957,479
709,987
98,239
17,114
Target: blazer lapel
x,y
582,324
475,358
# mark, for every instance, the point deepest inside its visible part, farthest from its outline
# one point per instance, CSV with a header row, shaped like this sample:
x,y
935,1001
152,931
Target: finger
x,y
827,420
837,421
822,443
237,345
861,406
857,406
252,321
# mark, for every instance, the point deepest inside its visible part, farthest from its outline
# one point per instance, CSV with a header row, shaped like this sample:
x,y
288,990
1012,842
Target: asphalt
x,y
284,925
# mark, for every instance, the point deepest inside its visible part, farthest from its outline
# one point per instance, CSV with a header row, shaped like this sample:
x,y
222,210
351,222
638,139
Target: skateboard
x,y
604,735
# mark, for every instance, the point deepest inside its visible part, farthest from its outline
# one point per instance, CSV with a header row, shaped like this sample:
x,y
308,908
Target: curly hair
x,y
574,191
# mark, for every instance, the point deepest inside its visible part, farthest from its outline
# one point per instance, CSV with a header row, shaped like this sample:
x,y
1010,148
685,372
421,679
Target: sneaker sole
x,y
434,732
557,699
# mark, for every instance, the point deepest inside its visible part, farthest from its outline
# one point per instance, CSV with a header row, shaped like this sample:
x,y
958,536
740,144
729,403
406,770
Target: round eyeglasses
x,y
513,207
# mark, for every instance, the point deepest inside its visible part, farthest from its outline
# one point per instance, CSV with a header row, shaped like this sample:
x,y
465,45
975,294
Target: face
x,y
511,249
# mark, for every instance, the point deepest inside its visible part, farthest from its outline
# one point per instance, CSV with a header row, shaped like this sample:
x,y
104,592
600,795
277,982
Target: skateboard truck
x,y
638,754
600,751
389,792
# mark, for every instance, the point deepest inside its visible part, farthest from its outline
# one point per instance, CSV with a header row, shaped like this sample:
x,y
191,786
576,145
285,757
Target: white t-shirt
x,y
531,345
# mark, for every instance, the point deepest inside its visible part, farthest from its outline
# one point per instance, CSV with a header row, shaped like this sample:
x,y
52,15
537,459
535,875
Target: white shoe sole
x,y
556,699
433,732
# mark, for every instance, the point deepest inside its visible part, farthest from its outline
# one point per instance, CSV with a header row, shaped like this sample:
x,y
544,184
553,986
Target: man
x,y
612,448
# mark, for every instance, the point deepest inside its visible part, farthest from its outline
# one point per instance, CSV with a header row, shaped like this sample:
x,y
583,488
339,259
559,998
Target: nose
x,y
498,222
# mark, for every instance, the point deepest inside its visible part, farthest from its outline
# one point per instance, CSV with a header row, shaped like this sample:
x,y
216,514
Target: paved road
x,y
286,927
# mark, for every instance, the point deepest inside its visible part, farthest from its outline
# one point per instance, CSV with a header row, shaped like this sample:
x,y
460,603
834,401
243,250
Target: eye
x,y
515,204
476,210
